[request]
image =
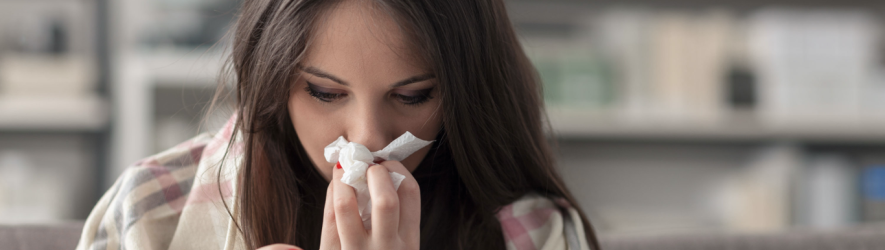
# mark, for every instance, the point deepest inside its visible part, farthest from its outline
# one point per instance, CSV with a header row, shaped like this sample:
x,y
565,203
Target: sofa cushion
x,y
848,238
66,236
40,237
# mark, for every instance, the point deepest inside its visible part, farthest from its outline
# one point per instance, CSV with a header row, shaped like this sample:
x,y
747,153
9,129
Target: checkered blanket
x,y
173,200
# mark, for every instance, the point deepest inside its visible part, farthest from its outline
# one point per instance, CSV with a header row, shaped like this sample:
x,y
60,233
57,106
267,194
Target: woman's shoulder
x,y
143,208
169,169
173,168
185,155
168,176
538,222
147,198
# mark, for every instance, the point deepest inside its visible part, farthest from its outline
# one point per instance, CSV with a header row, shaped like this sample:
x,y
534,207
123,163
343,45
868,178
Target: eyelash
x,y
415,100
404,99
322,96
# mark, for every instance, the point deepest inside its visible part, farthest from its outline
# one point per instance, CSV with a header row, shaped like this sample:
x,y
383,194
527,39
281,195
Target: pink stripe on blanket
x,y
196,154
209,193
171,189
517,228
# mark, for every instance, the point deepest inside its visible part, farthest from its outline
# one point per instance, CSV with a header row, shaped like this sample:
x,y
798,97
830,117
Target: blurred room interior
x,y
670,116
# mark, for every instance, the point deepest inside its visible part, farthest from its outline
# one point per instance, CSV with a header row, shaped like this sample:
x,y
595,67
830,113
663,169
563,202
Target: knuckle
x,y
409,186
377,170
386,203
343,204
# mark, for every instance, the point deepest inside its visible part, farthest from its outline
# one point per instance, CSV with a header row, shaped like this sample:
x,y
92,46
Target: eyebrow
x,y
319,73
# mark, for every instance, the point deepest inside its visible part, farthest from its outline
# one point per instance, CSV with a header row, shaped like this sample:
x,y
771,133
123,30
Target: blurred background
x,y
670,115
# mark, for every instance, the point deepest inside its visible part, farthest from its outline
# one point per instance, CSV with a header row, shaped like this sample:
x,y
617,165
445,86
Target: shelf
x,y
707,3
184,68
66,113
574,124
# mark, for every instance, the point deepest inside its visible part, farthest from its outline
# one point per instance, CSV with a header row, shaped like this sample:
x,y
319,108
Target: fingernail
x,y
338,165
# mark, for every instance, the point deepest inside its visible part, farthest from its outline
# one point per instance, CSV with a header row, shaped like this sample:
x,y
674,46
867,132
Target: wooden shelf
x,y
707,3
65,113
572,124
183,68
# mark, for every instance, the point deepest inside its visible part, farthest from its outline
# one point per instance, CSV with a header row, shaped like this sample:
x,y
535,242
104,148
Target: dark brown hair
x,y
491,150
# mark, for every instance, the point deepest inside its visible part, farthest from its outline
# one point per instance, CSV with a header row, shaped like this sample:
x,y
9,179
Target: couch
x,y
39,237
66,235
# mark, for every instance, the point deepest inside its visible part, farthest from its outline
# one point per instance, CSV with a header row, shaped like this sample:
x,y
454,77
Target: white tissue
x,y
355,159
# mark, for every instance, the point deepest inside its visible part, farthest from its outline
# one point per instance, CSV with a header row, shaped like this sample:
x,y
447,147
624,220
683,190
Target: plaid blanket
x,y
172,200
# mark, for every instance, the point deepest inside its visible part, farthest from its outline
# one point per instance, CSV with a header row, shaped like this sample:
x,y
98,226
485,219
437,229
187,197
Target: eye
x,y
317,93
418,98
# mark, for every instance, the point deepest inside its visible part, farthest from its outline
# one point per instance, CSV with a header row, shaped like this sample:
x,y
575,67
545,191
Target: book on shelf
x,y
813,64
668,64
689,66
573,73
36,73
826,192
873,196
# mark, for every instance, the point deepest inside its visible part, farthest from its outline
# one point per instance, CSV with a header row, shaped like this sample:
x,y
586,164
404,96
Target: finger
x,y
409,201
279,247
385,204
347,216
329,237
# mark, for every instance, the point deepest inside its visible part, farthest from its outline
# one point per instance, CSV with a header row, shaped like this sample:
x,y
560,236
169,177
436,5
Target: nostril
x,y
378,160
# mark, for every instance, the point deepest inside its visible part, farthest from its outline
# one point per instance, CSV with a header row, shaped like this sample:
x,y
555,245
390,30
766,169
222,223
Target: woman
x,y
369,70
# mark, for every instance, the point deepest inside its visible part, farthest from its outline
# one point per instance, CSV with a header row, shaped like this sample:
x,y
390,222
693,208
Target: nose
x,y
367,126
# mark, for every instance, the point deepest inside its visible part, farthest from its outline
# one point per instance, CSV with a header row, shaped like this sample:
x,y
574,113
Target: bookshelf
x,y
178,67
636,166
54,110
741,127
88,114
678,142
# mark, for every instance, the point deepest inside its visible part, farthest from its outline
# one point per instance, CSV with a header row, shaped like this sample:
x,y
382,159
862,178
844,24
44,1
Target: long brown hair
x,y
491,150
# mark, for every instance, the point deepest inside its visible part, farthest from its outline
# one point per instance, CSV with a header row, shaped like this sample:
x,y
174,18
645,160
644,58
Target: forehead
x,y
356,38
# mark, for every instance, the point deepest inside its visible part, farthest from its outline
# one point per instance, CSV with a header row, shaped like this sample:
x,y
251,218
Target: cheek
x,y
425,125
310,126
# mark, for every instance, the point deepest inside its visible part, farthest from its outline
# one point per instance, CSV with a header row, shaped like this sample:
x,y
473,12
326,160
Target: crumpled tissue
x,y
355,159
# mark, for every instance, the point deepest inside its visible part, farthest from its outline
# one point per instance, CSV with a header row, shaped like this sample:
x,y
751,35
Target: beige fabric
x,y
176,200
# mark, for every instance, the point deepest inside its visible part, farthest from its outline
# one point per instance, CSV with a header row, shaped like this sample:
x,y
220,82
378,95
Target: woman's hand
x,y
396,214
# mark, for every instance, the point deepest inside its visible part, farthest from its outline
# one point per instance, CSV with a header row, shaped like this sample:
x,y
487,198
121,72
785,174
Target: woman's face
x,y
361,80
